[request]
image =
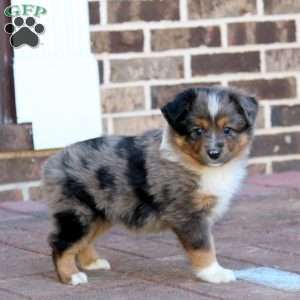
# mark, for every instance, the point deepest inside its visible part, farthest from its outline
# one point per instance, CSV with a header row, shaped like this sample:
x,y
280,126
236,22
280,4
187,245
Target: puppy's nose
x,y
214,153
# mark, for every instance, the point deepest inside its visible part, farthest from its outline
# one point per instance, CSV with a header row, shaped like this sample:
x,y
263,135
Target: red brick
x,y
282,7
257,169
176,38
94,12
285,166
146,68
11,195
117,41
122,99
165,93
276,144
283,60
141,10
20,169
288,180
15,137
199,9
261,32
225,63
269,88
285,115
137,125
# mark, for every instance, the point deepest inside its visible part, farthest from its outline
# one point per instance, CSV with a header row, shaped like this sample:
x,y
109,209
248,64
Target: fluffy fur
x,y
181,179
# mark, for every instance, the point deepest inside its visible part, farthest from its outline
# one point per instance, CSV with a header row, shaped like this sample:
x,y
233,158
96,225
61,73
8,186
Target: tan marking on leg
x,y
88,253
207,268
201,259
100,229
66,264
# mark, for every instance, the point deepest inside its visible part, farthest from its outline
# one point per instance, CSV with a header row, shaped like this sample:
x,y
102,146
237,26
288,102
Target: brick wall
x,y
150,50
147,51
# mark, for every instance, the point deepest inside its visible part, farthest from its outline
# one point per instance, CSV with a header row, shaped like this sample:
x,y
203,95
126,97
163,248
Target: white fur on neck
x,y
222,182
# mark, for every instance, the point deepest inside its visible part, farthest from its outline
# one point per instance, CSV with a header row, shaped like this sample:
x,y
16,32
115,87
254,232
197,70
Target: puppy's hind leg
x,y
66,268
88,257
70,237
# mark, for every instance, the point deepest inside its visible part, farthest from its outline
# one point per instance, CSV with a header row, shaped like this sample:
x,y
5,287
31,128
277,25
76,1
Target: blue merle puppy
x,y
181,179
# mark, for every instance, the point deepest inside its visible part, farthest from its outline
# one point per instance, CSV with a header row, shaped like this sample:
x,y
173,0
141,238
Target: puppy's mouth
x,y
211,163
214,165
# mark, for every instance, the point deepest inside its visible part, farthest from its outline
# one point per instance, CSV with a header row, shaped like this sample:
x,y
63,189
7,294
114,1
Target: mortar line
x,y
166,24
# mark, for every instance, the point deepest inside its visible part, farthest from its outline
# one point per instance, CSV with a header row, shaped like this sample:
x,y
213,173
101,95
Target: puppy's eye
x,y
228,131
197,132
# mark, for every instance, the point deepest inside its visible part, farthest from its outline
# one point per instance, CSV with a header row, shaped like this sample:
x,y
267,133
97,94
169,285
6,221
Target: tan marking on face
x,y
222,122
66,263
202,123
242,143
179,141
183,152
192,150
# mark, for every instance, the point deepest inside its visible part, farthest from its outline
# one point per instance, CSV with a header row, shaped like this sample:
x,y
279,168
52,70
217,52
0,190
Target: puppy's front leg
x,y
198,242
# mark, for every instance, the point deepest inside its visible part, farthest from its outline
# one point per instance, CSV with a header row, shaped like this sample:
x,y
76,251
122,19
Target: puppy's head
x,y
213,125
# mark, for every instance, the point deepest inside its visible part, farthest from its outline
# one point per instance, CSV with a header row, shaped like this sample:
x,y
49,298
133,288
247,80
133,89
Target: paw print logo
x,y
24,32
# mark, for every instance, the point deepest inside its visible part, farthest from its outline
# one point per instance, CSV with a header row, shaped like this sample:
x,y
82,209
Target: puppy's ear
x,y
248,106
175,112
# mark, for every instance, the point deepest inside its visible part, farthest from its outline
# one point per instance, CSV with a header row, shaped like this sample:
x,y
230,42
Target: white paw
x,y
215,274
99,264
79,278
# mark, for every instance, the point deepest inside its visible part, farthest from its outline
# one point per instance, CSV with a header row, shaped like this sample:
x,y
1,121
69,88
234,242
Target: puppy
x,y
181,179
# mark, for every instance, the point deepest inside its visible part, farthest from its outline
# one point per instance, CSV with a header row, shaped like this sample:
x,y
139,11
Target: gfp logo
x,y
24,29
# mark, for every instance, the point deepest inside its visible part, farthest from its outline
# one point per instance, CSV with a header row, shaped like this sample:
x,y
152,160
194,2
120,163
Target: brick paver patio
x,y
261,229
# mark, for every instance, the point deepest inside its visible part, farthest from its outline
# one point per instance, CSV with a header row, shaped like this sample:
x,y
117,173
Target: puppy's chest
x,y
221,184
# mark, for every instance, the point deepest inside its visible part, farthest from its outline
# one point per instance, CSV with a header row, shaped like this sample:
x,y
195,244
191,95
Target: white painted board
x,y
56,83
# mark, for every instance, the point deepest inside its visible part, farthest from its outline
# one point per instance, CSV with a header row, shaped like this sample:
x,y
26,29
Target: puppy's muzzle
x,y
214,154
